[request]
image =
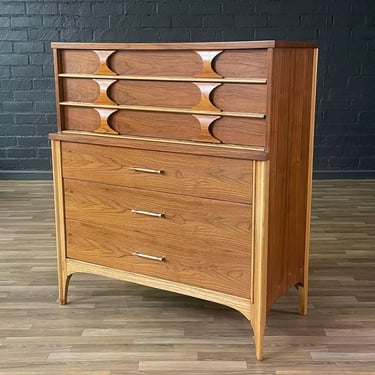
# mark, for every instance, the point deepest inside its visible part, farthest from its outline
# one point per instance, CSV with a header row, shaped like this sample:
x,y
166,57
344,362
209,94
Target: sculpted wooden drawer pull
x,y
159,259
146,170
153,214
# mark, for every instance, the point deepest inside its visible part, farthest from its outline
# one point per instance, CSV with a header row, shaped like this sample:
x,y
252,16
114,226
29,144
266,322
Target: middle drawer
x,y
185,221
201,176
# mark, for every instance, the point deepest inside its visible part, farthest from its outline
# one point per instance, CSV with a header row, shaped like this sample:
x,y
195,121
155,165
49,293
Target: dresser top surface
x,y
195,45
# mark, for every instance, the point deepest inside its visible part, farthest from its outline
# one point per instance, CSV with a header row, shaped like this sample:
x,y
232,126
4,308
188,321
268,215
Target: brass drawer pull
x,y
151,257
147,213
146,170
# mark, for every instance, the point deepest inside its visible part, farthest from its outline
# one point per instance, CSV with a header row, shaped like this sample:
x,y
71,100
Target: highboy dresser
x,y
187,167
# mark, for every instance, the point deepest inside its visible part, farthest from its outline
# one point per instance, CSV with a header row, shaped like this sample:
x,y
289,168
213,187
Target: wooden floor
x,y
112,327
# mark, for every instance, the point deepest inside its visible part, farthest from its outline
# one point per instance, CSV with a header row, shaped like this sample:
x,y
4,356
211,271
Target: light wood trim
x,y
240,304
259,310
161,144
162,109
160,78
303,290
252,265
60,221
165,140
187,46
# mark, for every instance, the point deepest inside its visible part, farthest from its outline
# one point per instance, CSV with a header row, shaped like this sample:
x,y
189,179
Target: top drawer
x,y
234,63
203,176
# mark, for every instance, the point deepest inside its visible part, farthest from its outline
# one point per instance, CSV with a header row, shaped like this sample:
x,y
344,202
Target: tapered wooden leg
x,y
302,306
63,288
303,289
260,217
259,329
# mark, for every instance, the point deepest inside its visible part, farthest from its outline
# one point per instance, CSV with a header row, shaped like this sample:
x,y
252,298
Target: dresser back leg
x,y
302,305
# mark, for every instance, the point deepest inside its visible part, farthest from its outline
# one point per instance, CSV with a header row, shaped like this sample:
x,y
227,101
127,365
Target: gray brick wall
x,y
345,130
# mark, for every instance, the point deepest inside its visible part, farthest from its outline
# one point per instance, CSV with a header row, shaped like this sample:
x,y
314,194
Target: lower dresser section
x,y
196,241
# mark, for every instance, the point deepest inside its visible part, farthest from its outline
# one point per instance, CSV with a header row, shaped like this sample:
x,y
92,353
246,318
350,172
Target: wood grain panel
x,y
290,118
240,131
240,98
79,61
229,64
224,179
228,97
242,63
79,90
152,93
156,63
75,118
186,222
223,270
156,124
236,131
186,127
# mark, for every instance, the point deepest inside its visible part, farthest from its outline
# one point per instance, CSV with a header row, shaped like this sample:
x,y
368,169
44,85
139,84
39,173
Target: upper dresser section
x,y
214,93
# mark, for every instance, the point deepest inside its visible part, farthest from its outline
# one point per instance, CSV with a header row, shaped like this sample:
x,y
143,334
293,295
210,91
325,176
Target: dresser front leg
x,y
259,329
64,280
259,324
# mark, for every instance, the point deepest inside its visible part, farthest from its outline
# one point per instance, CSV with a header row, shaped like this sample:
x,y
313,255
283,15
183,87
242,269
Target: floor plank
x,y
112,327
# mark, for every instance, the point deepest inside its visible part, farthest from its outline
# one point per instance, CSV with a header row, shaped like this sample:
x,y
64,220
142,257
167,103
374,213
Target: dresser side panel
x,y
290,156
58,87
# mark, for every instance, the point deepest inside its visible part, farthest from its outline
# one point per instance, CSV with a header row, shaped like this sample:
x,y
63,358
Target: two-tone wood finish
x,y
187,167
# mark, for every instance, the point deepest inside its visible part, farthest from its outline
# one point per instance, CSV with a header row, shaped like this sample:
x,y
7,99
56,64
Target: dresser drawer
x,y
229,97
184,221
218,269
234,63
173,126
210,177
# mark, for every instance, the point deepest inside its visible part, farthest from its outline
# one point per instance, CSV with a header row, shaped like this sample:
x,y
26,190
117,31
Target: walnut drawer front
x,y
212,96
184,221
241,63
174,126
215,268
202,176
231,97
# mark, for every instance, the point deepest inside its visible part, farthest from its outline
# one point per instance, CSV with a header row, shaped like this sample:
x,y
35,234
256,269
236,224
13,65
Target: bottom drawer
x,y
216,269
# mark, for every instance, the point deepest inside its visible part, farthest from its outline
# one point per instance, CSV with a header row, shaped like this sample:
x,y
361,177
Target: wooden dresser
x,y
187,167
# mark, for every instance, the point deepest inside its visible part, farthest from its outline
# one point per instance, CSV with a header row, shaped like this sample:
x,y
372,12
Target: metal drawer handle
x,y
146,170
159,259
153,214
